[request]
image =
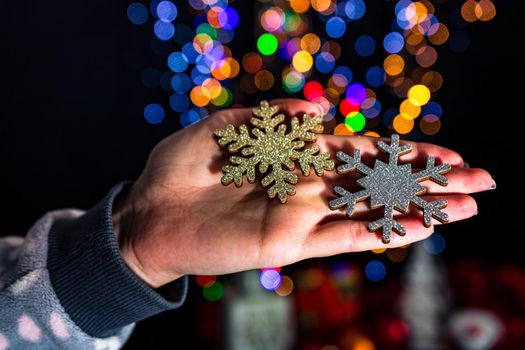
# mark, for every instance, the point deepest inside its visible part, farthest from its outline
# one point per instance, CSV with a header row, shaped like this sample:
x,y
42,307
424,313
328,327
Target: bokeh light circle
x,y
154,113
419,95
270,279
137,13
267,44
375,271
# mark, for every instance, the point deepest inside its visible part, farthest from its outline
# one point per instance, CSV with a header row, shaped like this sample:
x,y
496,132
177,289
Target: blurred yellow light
x,y
302,61
264,80
321,5
311,43
487,9
300,6
430,125
371,134
363,343
378,250
286,287
440,36
402,125
200,96
433,80
396,254
393,64
426,56
409,110
469,11
419,95
341,129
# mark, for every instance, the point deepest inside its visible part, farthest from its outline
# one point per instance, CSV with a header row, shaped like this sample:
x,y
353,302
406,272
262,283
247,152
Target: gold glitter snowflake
x,y
272,146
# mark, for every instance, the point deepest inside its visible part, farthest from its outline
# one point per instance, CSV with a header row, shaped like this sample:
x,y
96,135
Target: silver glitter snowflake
x,y
391,186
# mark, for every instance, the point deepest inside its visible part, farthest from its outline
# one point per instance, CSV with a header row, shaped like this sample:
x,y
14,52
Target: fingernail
x,y
466,165
493,187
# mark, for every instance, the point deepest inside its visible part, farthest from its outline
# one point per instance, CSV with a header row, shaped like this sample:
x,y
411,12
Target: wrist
x,y
129,215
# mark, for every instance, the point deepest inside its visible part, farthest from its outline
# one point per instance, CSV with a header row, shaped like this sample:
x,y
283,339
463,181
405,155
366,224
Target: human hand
x,y
179,219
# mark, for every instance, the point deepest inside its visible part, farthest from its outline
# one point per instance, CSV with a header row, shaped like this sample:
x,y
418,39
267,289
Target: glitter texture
x,y
391,186
272,146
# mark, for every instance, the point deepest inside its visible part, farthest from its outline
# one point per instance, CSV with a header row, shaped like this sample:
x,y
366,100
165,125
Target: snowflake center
x,y
390,184
272,147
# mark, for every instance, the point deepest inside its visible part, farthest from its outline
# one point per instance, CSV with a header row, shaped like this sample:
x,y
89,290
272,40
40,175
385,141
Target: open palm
x,y
179,219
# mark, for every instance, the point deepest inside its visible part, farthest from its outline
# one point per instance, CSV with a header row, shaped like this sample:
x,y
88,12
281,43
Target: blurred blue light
x,y
335,27
198,77
189,51
181,83
389,116
365,45
179,102
150,78
375,271
375,76
356,93
225,36
166,11
393,42
372,112
164,30
270,279
432,108
154,113
355,9
178,62
205,63
189,117
324,62
153,7
137,13
434,244
344,71
229,18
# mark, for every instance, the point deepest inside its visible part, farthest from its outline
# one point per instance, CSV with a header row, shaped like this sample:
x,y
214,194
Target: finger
x,y
368,146
462,180
293,107
353,236
459,207
288,106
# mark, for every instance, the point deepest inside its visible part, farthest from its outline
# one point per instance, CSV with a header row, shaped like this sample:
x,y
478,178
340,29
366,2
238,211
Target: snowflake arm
x,y
228,135
284,182
306,131
431,210
388,223
352,163
234,173
433,173
394,150
267,113
310,157
347,198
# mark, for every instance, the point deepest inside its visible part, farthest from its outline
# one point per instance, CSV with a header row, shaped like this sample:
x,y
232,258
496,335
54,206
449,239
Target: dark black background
x,y
72,126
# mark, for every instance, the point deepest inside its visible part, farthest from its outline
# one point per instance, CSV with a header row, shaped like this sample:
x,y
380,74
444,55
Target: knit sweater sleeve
x,y
65,286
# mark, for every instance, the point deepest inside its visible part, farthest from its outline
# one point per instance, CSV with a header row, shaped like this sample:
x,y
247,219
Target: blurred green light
x,y
355,121
267,44
213,292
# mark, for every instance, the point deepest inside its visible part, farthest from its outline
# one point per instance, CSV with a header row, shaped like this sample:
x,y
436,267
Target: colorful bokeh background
x,y
92,86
